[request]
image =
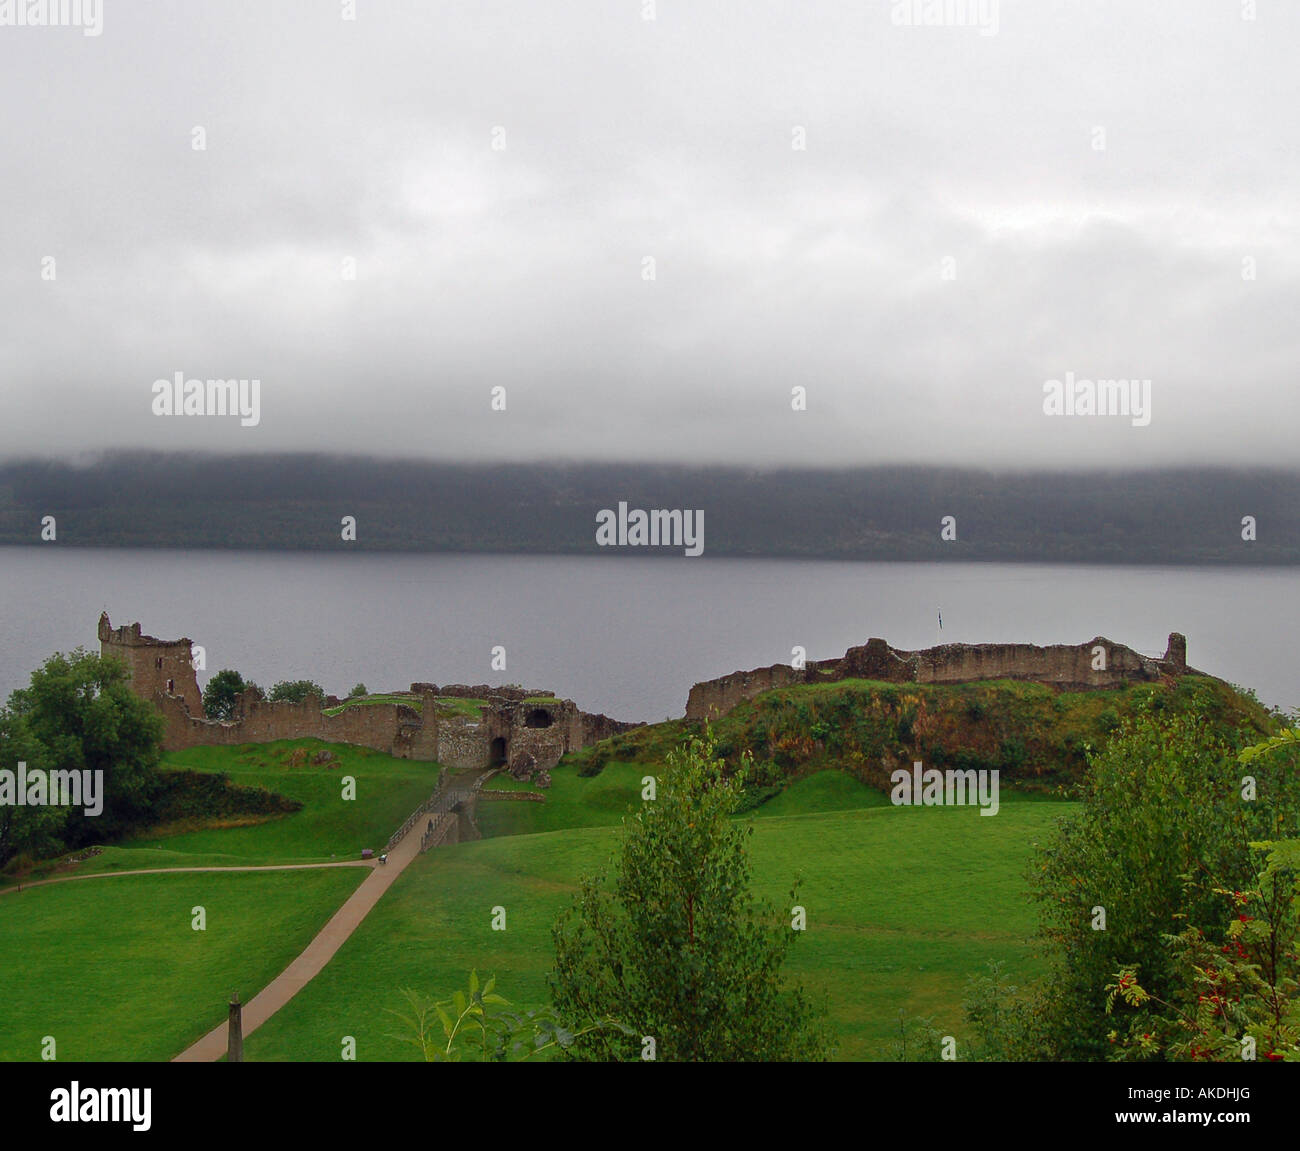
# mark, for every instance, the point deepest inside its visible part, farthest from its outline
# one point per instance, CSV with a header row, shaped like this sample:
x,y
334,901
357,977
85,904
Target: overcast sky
x,y
626,138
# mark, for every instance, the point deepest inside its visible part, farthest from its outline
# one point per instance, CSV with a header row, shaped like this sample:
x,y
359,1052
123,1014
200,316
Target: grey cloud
x,y
669,139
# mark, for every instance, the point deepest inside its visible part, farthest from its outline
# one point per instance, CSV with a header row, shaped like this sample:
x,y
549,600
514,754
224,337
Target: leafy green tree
x,y
295,691
221,694
360,689
26,831
678,950
1167,819
82,712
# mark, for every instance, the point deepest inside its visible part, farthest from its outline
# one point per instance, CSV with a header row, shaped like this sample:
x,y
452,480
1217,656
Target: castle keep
x,y
1094,665
459,726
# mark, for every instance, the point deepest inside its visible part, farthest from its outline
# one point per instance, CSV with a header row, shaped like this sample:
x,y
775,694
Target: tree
x,y
82,712
678,950
1238,1001
221,694
359,690
296,690
26,831
1167,823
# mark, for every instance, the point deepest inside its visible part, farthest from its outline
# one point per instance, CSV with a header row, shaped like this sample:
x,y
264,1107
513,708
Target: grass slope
x,y
823,791
902,905
113,970
1034,735
387,791
571,801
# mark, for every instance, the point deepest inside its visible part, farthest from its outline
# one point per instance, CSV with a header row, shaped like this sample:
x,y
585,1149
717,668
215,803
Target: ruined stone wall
x,y
462,742
384,727
719,696
534,749
425,733
1060,665
873,660
593,728
423,743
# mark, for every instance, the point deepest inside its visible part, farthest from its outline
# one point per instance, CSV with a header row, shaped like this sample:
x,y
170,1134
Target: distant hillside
x,y
297,502
1033,735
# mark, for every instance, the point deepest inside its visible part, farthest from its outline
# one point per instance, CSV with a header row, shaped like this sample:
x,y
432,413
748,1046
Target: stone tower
x,y
155,665
1176,652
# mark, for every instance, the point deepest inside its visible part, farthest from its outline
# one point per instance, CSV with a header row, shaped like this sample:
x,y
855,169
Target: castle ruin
x,y
459,726
528,731
1098,664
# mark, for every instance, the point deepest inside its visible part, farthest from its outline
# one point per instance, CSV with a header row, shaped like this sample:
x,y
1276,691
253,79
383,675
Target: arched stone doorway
x,y
497,752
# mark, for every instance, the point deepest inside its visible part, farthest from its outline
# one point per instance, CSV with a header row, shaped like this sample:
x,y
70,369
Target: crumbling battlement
x,y
1097,664
525,730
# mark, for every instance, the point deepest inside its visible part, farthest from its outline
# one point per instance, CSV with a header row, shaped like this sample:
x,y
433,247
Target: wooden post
x,y
235,1032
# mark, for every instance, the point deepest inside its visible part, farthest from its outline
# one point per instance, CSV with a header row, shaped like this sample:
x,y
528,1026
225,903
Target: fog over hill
x,y
885,513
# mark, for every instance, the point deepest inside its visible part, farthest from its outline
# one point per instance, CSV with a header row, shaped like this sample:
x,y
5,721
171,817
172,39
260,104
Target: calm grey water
x,y
623,635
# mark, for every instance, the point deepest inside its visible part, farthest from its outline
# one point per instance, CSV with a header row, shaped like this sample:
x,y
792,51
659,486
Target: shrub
x,y
674,943
210,795
594,762
296,690
221,694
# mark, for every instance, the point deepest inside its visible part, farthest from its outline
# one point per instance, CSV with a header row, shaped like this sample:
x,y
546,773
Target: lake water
x,y
619,634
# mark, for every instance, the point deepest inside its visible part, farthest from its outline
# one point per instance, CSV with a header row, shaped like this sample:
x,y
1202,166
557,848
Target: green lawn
x,y
902,905
571,801
113,970
457,705
127,943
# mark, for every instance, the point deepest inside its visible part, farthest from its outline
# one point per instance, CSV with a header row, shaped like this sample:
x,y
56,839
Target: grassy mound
x,y
1035,736
821,792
